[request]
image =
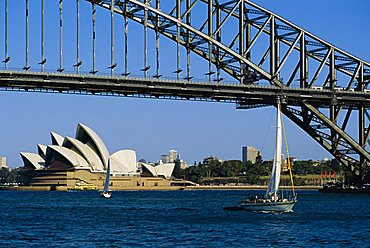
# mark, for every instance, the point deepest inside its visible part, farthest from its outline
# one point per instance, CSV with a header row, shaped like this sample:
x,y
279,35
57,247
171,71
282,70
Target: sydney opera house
x,y
81,162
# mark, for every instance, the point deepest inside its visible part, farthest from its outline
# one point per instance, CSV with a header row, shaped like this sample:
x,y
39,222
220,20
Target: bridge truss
x,y
323,88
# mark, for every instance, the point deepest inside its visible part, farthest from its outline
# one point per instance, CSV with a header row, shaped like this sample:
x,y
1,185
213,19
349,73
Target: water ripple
x,y
178,219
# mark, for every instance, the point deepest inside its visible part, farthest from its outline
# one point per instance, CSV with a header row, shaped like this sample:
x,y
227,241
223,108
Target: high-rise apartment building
x,y
250,153
3,162
172,156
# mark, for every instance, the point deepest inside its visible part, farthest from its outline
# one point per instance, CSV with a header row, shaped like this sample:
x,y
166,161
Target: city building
x,y
3,162
172,155
250,153
183,164
82,162
165,159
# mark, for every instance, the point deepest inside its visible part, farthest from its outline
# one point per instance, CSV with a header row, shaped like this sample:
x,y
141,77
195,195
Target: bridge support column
x,y
332,81
272,46
78,63
60,36
113,65
248,42
6,34
157,37
26,67
303,63
125,20
241,40
188,22
42,36
146,68
218,38
178,16
361,122
361,135
93,17
210,34
277,56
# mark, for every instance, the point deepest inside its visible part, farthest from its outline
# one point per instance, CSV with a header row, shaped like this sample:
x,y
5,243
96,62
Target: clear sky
x,y
153,127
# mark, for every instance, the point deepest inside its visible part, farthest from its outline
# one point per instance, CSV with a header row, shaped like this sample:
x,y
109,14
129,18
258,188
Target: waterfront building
x,y
82,162
250,153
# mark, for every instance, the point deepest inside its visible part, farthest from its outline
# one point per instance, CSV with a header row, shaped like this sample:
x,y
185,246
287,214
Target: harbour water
x,y
187,218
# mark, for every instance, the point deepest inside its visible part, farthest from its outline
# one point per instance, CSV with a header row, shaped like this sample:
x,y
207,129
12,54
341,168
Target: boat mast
x,y
276,168
107,177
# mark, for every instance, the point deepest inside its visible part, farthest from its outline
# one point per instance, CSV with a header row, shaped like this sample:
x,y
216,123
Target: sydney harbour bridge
x,y
253,56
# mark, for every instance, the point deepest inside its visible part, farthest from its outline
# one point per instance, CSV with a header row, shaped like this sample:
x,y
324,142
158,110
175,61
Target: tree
x,y
9,176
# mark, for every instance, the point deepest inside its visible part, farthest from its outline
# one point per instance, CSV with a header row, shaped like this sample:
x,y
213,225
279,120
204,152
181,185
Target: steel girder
x,y
250,43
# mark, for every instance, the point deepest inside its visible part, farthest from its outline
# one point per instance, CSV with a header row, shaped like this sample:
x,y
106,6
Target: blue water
x,y
179,219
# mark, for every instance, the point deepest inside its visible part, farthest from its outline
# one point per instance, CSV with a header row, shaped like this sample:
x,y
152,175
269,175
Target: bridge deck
x,y
175,89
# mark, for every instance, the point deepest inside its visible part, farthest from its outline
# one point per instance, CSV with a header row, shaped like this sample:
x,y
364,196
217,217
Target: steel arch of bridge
x,y
323,88
314,63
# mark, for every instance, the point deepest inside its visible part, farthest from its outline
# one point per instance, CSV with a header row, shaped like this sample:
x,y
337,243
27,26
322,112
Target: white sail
x,y
276,168
271,201
107,177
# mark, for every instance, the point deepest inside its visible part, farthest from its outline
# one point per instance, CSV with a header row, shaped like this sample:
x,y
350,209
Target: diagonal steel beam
x,y
338,131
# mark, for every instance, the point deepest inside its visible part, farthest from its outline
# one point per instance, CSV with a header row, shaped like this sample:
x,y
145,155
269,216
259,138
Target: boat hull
x,y
106,194
269,206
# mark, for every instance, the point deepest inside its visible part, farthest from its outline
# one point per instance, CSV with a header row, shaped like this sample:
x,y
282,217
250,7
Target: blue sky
x,y
153,127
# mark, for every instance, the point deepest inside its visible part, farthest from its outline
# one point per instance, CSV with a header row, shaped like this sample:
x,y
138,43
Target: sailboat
x,y
272,200
106,192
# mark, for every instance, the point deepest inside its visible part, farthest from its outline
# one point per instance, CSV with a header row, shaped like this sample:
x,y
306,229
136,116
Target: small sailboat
x,y
272,200
106,192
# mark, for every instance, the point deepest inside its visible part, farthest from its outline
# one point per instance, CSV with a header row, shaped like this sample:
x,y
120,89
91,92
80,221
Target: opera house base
x,y
75,179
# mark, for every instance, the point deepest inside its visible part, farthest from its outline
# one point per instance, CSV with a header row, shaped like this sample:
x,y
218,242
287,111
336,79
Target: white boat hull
x,y
106,194
268,206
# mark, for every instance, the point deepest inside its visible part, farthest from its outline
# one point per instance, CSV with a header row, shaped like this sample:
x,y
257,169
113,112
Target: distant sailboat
x,y
272,201
106,192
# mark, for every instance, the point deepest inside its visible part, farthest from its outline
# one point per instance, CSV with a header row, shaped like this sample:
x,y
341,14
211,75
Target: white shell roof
x,y
150,168
124,161
56,139
117,167
93,141
87,153
160,170
41,150
73,158
165,169
32,159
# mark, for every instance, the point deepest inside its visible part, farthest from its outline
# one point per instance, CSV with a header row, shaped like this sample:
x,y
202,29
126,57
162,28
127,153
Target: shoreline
x,y
246,187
